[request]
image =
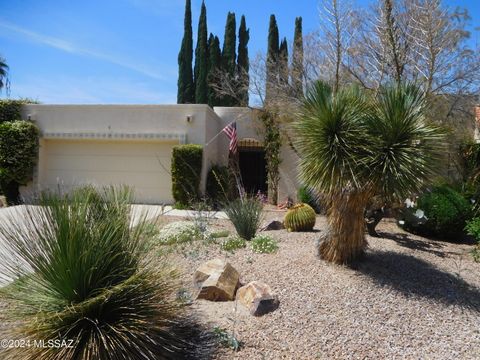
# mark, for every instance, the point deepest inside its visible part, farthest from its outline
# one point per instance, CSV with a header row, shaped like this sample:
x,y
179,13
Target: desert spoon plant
x,y
246,214
353,146
78,271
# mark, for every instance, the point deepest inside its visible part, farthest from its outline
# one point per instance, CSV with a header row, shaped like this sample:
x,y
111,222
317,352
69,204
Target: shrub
x,y
307,196
264,244
246,216
220,234
226,339
218,182
473,228
300,217
18,155
186,170
233,243
88,278
445,212
10,110
178,232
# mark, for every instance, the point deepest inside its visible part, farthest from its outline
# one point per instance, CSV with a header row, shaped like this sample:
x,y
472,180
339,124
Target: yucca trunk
x,y
344,241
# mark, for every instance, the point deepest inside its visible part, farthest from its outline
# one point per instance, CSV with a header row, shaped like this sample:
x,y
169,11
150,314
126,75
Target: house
x,y
132,145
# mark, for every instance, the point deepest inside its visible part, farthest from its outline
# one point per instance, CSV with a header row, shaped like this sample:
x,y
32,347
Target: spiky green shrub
x,y
300,217
186,170
264,244
246,215
78,271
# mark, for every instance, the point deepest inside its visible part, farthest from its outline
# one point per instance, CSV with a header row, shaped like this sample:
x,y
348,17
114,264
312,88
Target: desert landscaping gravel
x,y
410,298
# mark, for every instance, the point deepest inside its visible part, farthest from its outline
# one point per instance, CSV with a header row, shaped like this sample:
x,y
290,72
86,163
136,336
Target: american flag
x,y
231,131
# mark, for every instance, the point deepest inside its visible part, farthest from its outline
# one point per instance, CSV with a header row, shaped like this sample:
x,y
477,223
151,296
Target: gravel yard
x,y
409,298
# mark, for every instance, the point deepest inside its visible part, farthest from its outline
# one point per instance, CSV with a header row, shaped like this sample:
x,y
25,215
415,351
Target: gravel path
x,y
410,298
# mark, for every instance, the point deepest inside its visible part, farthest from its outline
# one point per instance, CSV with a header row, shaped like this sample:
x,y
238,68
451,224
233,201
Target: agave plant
x,y
353,146
78,273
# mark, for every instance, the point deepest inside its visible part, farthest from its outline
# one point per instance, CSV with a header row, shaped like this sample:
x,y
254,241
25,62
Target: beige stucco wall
x,y
130,121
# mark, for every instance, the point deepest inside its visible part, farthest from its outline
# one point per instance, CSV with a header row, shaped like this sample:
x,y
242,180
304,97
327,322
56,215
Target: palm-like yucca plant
x,y
78,271
3,74
353,146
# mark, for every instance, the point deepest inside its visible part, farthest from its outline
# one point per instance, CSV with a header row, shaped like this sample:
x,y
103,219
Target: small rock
x,y
258,298
216,280
274,225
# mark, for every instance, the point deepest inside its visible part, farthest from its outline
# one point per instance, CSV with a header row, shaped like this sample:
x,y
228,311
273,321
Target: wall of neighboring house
x,y
476,134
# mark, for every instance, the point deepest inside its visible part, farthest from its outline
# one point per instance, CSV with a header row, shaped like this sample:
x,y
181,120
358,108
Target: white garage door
x,y
144,166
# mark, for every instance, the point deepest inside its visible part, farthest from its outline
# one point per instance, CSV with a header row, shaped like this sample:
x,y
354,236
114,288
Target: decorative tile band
x,y
90,135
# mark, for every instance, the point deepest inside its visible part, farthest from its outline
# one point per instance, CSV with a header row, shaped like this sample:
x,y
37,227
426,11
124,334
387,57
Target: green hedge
x,y
18,155
186,172
10,109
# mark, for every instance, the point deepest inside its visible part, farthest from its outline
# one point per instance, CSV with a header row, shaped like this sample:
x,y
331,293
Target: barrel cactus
x,y
300,217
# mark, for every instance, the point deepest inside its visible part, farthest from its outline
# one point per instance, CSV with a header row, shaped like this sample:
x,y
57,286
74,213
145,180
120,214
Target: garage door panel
x,y
144,166
144,179
113,148
151,164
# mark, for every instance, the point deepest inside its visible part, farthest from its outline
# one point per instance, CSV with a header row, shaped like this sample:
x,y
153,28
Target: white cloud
x,y
70,47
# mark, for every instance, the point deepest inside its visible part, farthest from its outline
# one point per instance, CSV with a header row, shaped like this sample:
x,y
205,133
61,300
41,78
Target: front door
x,y
253,170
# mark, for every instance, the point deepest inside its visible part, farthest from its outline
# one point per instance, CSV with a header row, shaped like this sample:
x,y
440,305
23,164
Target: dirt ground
x,y
410,298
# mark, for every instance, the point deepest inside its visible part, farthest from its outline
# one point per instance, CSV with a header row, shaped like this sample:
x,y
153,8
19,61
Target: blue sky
x,y
125,51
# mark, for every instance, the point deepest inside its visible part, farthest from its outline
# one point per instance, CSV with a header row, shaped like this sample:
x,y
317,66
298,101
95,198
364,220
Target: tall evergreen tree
x,y
229,55
283,62
272,58
214,67
201,59
297,59
243,63
185,85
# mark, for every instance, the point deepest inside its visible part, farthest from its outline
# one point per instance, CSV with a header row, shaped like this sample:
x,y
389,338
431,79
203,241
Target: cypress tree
x,y
185,85
201,59
283,62
229,56
243,62
272,58
214,66
297,59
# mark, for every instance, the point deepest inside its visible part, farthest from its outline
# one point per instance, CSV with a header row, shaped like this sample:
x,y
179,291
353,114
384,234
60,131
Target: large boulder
x,y
216,280
258,298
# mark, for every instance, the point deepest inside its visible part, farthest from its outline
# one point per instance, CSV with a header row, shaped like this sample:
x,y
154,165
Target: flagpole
x,y
218,134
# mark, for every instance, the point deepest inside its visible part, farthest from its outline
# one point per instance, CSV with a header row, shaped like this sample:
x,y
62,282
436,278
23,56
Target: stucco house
x,y
132,145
